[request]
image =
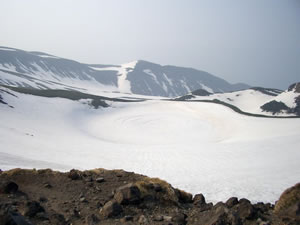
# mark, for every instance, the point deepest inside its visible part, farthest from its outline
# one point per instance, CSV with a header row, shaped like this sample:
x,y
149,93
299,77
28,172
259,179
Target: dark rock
x,y
183,196
245,210
201,92
128,194
100,180
42,216
74,175
76,213
92,220
126,219
179,218
32,208
199,200
244,200
58,219
13,218
8,187
232,202
47,185
274,107
157,187
111,209
262,207
99,204
43,199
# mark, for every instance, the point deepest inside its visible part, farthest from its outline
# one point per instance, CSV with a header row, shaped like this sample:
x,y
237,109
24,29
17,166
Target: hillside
x,y
254,101
117,197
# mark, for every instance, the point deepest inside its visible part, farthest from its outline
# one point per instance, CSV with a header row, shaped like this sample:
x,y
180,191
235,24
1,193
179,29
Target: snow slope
x,y
247,100
199,147
251,100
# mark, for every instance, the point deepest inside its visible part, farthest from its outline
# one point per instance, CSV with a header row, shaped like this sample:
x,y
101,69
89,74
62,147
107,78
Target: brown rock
x,y
232,202
199,200
92,220
128,194
111,209
74,175
183,196
289,203
245,210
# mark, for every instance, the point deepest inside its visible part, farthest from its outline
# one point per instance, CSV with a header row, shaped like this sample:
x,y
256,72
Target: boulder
x,y
232,202
32,208
8,187
199,200
74,175
111,209
245,210
289,203
128,194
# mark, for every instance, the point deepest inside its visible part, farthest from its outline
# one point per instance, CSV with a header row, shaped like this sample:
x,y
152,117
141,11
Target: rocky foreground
x,y
117,197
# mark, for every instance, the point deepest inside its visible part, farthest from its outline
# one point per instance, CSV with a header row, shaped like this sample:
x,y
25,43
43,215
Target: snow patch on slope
x,y
123,83
288,98
246,100
153,76
49,56
122,71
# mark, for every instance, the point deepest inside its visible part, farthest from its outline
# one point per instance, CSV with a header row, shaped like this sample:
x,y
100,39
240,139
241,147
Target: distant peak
x,y
130,64
295,87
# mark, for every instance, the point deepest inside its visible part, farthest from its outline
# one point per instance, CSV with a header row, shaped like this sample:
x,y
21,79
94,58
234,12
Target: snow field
x,y
199,147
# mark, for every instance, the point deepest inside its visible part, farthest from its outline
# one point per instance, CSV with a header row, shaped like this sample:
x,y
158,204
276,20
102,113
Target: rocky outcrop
x,y
274,107
288,205
117,197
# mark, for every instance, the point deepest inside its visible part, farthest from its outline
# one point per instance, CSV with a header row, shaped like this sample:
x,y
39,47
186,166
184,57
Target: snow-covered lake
x,y
199,147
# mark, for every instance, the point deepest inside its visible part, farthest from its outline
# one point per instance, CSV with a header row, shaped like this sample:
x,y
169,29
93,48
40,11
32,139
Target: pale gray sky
x,y
254,41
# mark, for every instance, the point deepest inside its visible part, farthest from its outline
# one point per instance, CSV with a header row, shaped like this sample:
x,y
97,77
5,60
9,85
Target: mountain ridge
x,y
42,70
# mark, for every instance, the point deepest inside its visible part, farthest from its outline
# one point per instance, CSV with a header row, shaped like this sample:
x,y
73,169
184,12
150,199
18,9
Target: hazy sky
x,y
254,41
